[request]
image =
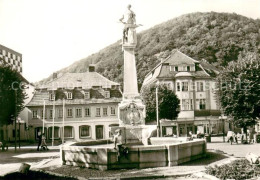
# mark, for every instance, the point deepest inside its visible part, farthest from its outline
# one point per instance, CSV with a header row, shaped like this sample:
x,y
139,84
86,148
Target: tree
x,y
239,90
168,103
11,94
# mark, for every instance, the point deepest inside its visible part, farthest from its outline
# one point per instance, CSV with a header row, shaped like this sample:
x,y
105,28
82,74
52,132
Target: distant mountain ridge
x,y
215,37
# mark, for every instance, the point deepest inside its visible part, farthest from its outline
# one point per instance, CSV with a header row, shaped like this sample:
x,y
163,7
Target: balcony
x,y
198,113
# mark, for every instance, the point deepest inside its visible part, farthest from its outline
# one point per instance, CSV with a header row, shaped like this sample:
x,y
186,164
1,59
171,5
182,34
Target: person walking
x,y
44,144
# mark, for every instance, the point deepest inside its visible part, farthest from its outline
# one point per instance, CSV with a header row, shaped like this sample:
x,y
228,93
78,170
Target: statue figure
x,y
129,21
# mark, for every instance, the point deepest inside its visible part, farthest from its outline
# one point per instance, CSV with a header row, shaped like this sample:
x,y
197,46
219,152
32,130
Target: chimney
x,y
92,68
54,76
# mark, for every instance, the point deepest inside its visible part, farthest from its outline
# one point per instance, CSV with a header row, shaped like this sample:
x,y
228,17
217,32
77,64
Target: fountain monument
x,y
162,151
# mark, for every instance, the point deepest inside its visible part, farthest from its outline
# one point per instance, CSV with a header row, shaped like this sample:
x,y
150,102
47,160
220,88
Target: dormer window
x,y
188,68
69,95
107,94
87,95
52,96
173,68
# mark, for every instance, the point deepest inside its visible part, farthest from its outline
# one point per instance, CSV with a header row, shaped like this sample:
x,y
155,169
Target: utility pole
x,y
15,120
19,123
157,113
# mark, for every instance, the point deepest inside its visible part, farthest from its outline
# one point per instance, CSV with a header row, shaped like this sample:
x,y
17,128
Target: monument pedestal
x,y
131,110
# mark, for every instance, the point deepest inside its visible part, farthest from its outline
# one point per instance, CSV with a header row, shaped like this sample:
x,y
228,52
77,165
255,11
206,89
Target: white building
x,y
91,105
194,83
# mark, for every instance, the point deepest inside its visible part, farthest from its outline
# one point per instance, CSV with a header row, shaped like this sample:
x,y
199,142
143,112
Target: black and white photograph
x,y
129,89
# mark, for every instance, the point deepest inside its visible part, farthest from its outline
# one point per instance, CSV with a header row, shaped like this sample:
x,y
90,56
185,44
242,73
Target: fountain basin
x,y
104,156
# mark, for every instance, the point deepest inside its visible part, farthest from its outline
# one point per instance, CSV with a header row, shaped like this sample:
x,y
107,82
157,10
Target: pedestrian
x,y
190,136
118,145
39,135
249,135
44,144
235,137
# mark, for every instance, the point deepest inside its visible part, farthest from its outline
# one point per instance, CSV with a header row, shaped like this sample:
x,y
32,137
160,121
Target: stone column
x,y
130,75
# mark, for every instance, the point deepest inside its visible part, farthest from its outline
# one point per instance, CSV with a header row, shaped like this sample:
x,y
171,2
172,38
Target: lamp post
x,y
19,135
157,111
15,128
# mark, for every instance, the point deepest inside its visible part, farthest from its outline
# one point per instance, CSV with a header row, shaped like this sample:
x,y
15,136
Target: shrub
x,y
238,169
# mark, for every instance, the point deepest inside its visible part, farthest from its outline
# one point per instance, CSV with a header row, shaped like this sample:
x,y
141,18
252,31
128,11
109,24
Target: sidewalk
x,y
10,160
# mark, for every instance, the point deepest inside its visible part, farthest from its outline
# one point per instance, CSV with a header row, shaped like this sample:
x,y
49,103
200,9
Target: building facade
x,y
194,84
11,57
87,101
7,132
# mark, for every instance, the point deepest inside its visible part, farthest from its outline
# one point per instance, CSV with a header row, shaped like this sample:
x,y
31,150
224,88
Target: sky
x,y
53,34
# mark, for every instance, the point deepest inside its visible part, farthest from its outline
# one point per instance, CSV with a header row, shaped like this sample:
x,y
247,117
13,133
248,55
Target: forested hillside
x,y
216,37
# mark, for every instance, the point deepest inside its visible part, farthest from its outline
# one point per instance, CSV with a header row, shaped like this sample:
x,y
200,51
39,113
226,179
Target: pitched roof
x,y
162,70
85,80
40,96
178,57
77,83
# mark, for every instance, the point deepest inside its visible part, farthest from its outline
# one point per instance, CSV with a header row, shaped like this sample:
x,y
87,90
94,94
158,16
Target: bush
x,y
238,169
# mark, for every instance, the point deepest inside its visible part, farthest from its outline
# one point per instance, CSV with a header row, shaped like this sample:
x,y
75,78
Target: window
x,y
45,116
68,132
69,112
202,103
87,111
34,113
87,95
69,95
185,86
56,132
176,68
188,68
187,104
60,115
97,111
78,112
105,111
113,111
178,86
84,131
107,94
200,86
52,96
51,113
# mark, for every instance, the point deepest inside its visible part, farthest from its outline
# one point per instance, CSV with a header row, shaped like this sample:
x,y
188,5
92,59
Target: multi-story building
x,y
194,84
90,106
11,57
14,60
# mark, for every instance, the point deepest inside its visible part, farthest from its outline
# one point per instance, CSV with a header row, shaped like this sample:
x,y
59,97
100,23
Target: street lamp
x,y
15,128
157,110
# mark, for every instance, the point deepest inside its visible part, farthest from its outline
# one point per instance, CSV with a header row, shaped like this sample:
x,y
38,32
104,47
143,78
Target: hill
x,y
216,37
